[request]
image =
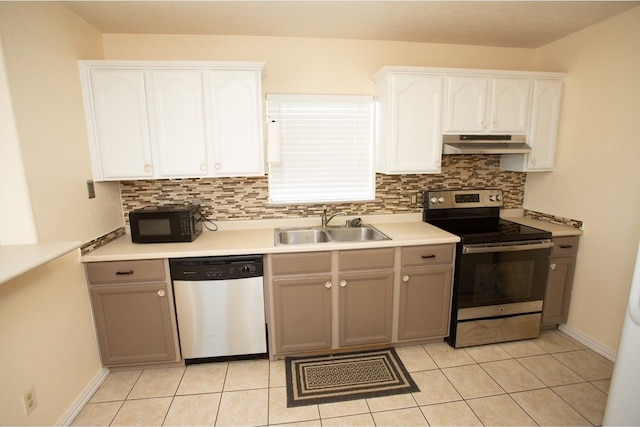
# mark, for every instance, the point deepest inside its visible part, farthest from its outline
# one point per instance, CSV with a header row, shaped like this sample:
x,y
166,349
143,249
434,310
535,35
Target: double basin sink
x,y
297,236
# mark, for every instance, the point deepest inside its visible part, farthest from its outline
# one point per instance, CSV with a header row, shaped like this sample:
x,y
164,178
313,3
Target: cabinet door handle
x,y
147,167
328,285
428,256
343,283
124,273
553,266
566,246
161,293
405,278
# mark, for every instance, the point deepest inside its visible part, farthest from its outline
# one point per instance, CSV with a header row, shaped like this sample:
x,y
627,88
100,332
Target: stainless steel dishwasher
x,y
219,306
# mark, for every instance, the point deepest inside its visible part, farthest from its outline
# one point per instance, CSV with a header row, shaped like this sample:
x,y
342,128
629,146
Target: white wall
x,y
42,42
597,176
16,224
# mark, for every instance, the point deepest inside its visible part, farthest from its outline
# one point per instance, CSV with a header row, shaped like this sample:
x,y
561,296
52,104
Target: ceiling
x,y
525,24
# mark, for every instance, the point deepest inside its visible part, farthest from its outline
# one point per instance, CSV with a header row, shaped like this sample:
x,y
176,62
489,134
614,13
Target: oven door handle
x,y
506,247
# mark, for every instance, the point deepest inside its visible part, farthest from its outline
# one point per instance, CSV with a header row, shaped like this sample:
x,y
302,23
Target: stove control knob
x,y
498,197
434,200
492,198
440,199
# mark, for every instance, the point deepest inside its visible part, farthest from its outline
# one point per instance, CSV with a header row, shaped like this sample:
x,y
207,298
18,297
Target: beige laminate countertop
x,y
18,259
404,230
557,230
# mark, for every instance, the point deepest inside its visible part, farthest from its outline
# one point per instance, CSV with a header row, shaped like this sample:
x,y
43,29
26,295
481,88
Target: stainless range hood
x,y
485,144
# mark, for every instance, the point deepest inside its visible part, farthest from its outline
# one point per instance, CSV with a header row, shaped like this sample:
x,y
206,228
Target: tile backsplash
x,y
247,197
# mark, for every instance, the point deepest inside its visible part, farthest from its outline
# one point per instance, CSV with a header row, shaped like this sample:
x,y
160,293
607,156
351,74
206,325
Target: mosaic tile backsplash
x,y
243,198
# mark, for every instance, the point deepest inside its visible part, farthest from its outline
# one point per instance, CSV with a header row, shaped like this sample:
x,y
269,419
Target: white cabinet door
x,y
467,104
234,109
510,105
543,130
545,117
118,125
488,105
177,123
409,128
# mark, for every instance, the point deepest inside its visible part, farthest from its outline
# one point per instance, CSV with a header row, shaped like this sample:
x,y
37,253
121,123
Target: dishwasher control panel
x,y
216,268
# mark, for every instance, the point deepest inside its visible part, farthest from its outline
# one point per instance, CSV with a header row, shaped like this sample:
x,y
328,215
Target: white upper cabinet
x,y
173,119
510,99
118,126
234,102
543,132
176,115
467,104
409,110
487,105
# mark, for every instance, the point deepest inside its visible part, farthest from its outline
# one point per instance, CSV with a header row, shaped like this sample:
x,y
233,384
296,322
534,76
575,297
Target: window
x,y
324,148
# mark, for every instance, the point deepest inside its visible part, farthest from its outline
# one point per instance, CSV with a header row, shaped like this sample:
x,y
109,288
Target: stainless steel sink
x,y
298,236
356,234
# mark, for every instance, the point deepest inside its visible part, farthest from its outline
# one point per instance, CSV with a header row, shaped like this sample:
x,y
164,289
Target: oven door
x,y
501,274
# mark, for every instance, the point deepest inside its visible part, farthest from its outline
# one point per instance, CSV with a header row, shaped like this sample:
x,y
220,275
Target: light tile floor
x,y
551,380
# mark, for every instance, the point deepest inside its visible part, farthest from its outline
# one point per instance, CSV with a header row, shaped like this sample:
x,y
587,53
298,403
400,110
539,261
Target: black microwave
x,y
164,224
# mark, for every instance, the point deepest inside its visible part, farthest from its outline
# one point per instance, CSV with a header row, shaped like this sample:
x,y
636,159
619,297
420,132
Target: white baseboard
x,y
83,398
593,345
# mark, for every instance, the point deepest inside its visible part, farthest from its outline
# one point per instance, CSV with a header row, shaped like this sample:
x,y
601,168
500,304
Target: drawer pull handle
x,y
328,285
343,283
566,246
428,256
553,266
405,278
161,293
124,273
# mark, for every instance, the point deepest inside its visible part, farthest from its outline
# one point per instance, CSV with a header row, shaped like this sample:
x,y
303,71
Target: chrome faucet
x,y
325,220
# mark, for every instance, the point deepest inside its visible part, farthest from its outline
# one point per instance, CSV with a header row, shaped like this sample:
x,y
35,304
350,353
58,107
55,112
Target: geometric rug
x,y
346,376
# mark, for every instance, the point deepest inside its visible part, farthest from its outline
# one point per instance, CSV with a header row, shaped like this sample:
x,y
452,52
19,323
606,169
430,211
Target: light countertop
x,y
557,230
18,259
258,237
404,230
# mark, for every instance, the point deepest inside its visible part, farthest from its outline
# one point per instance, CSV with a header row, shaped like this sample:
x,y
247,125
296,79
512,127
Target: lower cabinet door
x,y
558,294
365,308
302,308
133,323
425,303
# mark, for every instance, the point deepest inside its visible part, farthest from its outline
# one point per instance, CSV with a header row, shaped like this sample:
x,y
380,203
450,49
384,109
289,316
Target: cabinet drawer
x,y
564,246
301,263
125,271
367,259
427,255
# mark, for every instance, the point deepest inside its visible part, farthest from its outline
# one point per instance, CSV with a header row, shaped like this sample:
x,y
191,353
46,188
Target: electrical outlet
x,y
29,400
91,189
414,199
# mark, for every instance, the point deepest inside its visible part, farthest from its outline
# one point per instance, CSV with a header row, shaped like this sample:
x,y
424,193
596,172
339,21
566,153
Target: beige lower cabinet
x,y
341,299
365,296
562,265
301,297
133,311
426,282
302,307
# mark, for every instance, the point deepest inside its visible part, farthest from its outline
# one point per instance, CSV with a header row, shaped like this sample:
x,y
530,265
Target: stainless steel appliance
x,y
485,144
164,224
219,306
501,267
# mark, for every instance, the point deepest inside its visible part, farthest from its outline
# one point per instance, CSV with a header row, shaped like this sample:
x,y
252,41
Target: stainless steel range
x,y
501,268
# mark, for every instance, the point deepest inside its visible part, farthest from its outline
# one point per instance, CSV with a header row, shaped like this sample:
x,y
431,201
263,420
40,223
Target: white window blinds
x,y
325,148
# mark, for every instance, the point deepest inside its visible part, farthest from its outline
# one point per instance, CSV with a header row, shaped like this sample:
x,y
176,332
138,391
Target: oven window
x,y
501,278
508,281
155,227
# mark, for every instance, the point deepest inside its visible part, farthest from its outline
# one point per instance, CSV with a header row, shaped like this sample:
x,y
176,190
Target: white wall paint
x,y
43,42
597,176
16,224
